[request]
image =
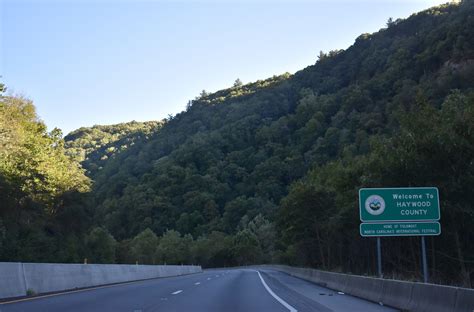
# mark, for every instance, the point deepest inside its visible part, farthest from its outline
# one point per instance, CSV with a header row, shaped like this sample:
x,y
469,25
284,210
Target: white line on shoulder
x,y
283,302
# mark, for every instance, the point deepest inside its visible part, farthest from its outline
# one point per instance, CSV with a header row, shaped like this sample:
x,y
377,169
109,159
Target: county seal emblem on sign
x,y
375,205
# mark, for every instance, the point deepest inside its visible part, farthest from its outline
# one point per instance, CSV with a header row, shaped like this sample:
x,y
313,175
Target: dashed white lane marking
x,y
209,278
177,292
283,302
197,283
217,275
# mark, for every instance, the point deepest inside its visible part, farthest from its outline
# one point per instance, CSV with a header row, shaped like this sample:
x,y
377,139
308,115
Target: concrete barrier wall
x,y
433,298
17,278
397,293
464,300
12,281
406,296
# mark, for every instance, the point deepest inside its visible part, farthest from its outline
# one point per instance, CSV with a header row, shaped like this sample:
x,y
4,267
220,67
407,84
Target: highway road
x,y
213,290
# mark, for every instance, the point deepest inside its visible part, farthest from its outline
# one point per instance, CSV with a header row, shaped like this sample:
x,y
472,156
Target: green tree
x,y
174,249
238,83
34,159
101,246
265,233
213,250
143,247
37,183
246,248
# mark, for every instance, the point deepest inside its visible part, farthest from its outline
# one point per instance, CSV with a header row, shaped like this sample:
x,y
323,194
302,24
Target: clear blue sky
x,y
87,62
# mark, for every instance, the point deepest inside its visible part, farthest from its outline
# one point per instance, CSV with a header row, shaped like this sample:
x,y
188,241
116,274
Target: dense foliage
x,y
94,146
319,218
269,171
40,188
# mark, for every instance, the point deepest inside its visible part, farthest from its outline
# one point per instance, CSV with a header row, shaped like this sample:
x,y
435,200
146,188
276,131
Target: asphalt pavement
x,y
213,290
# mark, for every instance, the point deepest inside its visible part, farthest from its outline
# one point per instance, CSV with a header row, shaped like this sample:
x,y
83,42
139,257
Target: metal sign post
x,y
379,257
425,264
406,211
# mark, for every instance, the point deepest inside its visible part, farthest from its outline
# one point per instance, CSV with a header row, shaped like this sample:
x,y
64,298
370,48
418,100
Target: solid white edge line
x,y
283,302
177,292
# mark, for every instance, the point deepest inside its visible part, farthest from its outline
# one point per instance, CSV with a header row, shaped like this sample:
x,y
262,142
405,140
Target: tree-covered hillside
x,y
290,152
263,172
93,146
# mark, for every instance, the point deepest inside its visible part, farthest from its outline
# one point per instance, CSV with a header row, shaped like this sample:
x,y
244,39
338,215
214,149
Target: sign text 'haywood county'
x,y
399,204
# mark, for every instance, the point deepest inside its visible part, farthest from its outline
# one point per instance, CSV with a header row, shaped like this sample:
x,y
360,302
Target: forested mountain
x,y
95,145
269,171
292,151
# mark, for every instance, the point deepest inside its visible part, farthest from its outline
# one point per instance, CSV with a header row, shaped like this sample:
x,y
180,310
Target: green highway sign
x,y
400,229
399,204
